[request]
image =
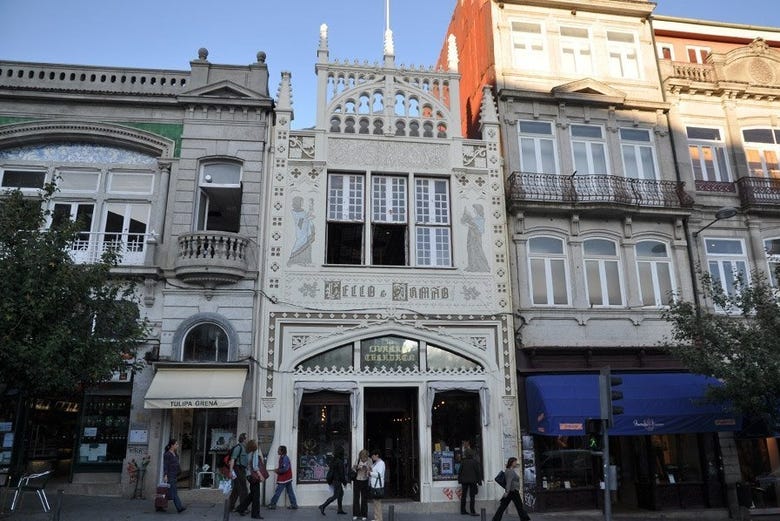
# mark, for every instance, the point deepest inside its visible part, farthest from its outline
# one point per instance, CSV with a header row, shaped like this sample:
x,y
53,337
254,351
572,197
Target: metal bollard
x,y
55,514
482,514
226,510
391,513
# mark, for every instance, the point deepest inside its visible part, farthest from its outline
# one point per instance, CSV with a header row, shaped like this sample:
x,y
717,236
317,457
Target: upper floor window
x,y
590,149
576,55
602,273
537,147
762,150
549,276
654,266
623,55
206,342
22,179
219,203
726,262
697,54
638,153
665,51
708,154
528,50
388,236
772,248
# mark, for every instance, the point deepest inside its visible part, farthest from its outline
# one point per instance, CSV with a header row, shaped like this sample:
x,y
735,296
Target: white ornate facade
x,y
352,323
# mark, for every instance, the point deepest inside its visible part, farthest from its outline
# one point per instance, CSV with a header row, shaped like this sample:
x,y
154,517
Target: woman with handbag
x,y
376,483
512,493
255,466
336,479
171,469
360,471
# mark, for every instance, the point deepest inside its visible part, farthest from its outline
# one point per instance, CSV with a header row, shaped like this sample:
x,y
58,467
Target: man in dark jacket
x,y
469,477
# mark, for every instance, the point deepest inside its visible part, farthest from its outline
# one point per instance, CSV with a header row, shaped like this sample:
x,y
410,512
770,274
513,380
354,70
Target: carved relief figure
x,y
476,224
304,232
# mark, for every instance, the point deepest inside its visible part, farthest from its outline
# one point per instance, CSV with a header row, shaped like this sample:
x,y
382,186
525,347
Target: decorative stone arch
x,y
19,134
205,318
395,329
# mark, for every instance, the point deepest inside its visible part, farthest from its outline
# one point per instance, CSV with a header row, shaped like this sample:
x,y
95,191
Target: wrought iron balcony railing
x,y
209,257
596,189
90,246
759,191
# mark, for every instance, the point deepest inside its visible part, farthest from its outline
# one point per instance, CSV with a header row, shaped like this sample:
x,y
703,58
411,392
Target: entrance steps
x,y
88,484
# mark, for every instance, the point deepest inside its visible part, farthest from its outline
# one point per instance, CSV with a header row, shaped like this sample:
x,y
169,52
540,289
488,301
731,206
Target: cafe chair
x,y
32,483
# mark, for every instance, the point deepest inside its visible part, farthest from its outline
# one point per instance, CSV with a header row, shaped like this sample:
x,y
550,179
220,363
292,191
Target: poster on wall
x,y
529,471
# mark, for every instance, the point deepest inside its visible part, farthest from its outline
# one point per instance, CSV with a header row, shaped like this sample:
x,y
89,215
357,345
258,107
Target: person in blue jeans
x,y
171,469
284,476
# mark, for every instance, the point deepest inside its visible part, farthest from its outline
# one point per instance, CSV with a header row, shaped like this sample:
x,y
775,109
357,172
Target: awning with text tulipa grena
x,y
654,403
196,386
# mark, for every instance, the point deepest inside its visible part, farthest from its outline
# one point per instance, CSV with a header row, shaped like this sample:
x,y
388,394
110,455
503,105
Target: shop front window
x,y
455,426
676,458
564,462
758,462
323,424
205,437
104,427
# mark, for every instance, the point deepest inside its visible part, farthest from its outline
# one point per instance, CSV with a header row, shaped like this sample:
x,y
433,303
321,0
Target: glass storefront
x,y
323,425
454,428
760,467
204,436
103,433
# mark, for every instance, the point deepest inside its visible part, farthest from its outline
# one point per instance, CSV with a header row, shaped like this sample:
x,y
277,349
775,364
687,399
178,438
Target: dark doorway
x,y
391,425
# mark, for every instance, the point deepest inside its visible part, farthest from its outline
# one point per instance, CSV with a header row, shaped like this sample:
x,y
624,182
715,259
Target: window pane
x,y
455,426
589,131
130,183
613,283
758,135
632,134
651,249
23,179
600,247
323,424
528,155
629,161
581,157
545,245
221,174
646,283
391,352
205,343
79,181
723,246
648,163
339,358
548,156
440,359
344,243
560,291
703,133
536,127
665,282
538,282
594,283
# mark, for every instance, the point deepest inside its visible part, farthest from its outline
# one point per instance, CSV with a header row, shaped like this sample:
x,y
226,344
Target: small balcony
x,y
759,192
210,258
89,247
594,191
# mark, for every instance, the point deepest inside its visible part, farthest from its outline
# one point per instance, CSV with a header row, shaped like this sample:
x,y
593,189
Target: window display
x,y
103,434
323,425
565,462
455,426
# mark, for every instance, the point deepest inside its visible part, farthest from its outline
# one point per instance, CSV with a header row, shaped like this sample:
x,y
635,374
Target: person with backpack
x,y
512,494
336,478
238,462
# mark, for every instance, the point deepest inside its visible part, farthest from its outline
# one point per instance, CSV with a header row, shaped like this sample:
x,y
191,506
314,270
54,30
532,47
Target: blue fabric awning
x,y
654,403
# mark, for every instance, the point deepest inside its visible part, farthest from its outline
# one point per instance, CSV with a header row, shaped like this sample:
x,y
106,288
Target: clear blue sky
x,y
166,34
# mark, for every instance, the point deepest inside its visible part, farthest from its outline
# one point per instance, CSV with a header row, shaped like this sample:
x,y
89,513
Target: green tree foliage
x,y
738,343
63,326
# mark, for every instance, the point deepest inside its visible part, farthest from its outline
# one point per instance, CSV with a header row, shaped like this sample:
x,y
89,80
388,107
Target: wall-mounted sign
x,y
138,436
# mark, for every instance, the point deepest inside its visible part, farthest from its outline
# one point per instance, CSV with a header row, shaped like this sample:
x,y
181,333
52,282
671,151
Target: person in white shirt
x,y
376,479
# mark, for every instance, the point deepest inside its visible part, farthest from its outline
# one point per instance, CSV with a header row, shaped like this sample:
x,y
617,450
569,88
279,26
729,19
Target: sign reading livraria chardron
x,y
389,351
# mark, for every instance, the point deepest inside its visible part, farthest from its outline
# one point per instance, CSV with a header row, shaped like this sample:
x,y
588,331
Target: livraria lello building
x,y
445,260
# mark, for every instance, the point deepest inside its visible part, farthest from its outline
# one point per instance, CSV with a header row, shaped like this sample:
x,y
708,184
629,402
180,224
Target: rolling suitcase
x,y
161,497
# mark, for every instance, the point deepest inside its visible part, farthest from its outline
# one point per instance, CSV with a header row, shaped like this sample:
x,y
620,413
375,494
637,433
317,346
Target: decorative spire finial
x,y
452,53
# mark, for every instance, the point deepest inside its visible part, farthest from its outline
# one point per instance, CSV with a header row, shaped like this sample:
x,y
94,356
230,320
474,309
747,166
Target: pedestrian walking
x,y
512,493
336,479
470,478
171,469
284,476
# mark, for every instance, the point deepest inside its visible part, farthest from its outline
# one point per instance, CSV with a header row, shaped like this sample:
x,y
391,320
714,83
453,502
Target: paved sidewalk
x,y
94,508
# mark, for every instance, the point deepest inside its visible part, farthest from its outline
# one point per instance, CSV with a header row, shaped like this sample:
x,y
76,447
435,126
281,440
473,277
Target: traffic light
x,y
609,393
594,434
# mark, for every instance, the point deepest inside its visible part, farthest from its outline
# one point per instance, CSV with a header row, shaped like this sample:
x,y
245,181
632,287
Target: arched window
x,y
654,267
549,276
602,273
219,205
206,342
